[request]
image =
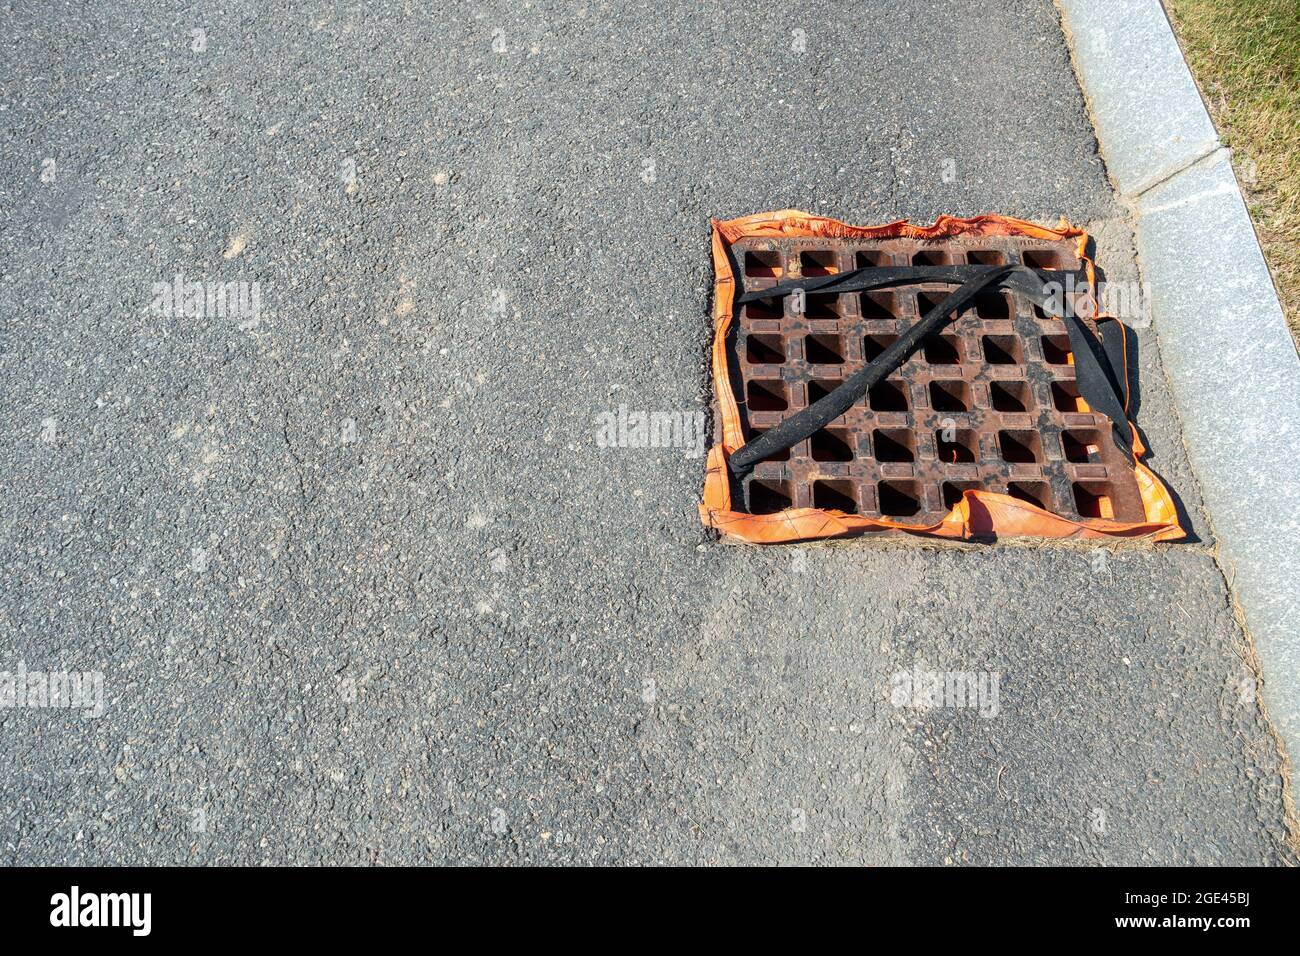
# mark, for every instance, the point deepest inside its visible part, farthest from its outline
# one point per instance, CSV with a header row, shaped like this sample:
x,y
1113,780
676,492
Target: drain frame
x,y
1000,348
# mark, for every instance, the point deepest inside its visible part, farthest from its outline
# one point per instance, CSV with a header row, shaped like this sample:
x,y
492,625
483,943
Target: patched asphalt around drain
x,y
363,585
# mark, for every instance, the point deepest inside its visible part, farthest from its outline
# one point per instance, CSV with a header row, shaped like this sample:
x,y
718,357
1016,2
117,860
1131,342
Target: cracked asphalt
x,y
362,584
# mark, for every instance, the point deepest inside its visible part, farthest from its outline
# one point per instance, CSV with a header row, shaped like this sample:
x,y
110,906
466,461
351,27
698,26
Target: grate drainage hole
x,y
878,306
931,257
767,496
1056,349
888,397
1034,492
950,396
821,307
835,496
1001,350
820,263
764,310
941,350
1081,446
764,349
960,450
1066,398
823,349
1009,396
1093,500
1043,259
831,445
819,389
761,264
992,306
1020,447
873,346
767,396
898,499
893,444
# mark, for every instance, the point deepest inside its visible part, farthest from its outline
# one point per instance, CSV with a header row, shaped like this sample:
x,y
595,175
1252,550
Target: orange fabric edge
x,y
979,514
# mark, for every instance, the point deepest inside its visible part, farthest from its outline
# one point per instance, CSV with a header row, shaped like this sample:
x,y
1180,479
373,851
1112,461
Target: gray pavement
x,y
360,581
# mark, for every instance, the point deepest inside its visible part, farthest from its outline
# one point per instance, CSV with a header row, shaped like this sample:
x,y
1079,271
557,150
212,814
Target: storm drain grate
x,y
988,403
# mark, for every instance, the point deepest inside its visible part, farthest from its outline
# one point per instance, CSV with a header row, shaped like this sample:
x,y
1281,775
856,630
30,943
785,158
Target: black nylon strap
x,y
1114,339
1097,381
879,277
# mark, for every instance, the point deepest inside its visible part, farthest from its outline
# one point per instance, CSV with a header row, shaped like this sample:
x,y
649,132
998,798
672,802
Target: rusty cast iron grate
x,y
988,403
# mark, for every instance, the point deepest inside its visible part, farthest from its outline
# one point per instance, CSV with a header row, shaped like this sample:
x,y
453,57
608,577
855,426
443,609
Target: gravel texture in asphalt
x,y
361,581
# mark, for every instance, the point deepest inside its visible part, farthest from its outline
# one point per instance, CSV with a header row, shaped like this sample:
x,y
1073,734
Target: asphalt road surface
x,y
358,578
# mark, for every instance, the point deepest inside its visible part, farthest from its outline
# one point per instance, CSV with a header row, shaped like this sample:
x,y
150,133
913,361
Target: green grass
x,y
1245,54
